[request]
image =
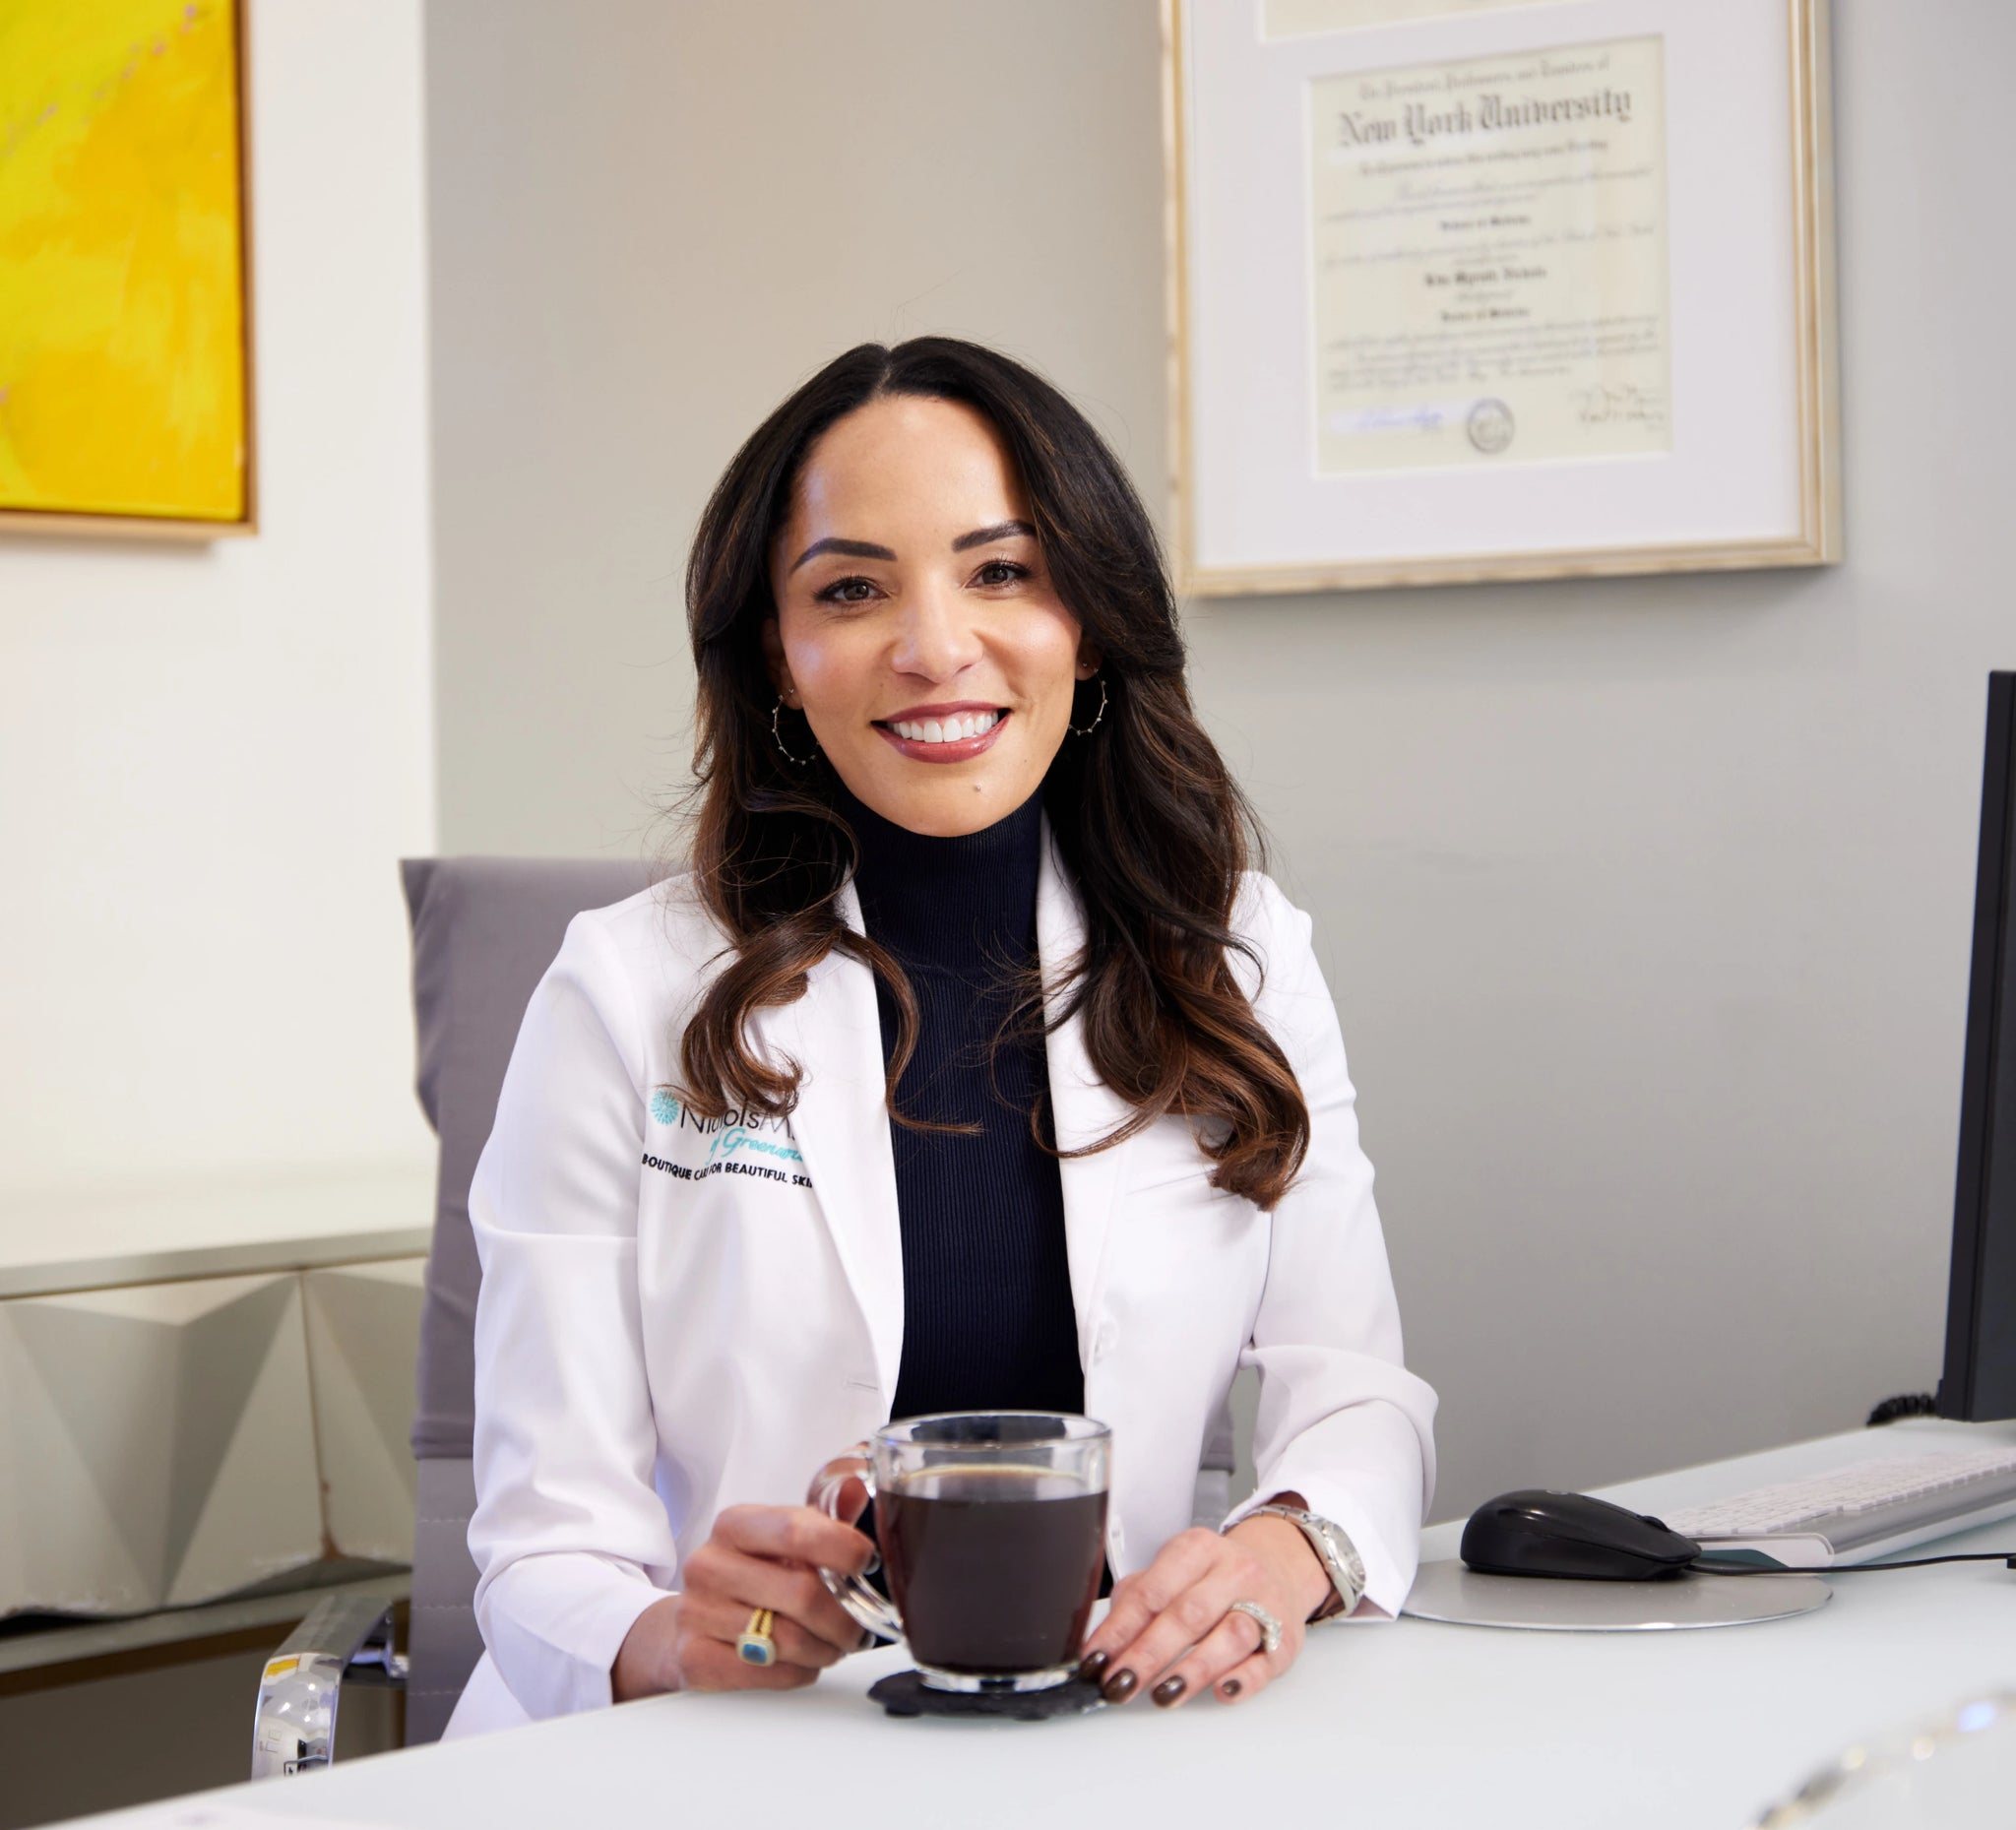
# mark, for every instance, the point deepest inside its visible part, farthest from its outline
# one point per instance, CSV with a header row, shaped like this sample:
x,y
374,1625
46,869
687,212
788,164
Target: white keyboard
x,y
1864,1510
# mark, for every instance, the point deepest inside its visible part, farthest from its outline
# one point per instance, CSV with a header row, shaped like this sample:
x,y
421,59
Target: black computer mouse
x,y
1532,1533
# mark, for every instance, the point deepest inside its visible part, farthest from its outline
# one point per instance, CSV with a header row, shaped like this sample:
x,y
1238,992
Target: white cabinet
x,y
363,1342
166,1443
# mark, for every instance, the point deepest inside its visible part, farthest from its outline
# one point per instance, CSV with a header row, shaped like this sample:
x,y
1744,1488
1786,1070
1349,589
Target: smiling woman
x,y
951,599
969,1069
934,532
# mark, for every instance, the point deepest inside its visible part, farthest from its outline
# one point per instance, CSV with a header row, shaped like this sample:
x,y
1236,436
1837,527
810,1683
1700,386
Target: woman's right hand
x,y
757,1556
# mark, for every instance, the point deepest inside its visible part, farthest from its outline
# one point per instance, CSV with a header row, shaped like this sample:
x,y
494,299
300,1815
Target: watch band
x,y
1336,1553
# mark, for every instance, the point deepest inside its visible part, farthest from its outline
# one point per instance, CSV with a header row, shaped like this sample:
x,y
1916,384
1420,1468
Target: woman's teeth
x,y
947,730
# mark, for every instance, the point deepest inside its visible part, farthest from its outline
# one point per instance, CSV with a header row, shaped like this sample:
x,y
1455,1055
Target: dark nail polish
x,y
1120,1686
1167,1691
1095,1662
1229,1689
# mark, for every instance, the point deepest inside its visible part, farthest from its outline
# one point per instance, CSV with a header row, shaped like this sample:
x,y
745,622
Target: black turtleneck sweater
x,y
986,1285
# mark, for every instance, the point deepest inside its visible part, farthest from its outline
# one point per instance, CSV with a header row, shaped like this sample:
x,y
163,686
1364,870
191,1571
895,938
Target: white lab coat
x,y
678,1317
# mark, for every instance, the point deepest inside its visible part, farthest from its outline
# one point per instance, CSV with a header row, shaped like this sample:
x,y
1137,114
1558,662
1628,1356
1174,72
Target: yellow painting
x,y
123,383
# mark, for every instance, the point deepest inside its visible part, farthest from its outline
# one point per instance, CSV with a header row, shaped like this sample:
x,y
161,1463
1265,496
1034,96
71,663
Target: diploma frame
x,y
1223,547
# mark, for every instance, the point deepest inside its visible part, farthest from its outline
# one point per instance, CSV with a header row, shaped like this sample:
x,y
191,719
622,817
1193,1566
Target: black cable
x,y
1913,1403
2007,1558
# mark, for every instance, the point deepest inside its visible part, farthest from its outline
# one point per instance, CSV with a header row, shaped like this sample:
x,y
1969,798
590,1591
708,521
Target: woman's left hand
x,y
1172,1632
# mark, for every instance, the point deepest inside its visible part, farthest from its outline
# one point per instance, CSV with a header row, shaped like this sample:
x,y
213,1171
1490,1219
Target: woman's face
x,y
916,626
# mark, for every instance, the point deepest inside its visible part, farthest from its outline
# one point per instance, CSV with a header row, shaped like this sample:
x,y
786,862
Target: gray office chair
x,y
484,930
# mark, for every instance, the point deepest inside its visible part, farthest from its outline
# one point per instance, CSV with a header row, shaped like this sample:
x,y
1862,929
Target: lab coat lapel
x,y
1084,1107
841,1128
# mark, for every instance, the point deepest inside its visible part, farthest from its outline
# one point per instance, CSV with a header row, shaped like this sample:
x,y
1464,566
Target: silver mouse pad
x,y
1449,1592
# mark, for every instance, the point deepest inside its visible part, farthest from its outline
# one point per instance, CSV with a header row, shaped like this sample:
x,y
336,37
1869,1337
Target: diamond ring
x,y
1270,1627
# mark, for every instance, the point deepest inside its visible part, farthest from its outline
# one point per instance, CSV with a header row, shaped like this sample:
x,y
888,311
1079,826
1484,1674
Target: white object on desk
x,y
1449,1594
1957,1768
1862,1510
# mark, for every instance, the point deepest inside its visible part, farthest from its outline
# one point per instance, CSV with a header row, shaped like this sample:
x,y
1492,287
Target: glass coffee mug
x,y
993,1526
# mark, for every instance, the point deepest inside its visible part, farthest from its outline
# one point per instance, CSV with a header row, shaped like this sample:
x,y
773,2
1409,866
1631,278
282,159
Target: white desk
x,y
1380,1726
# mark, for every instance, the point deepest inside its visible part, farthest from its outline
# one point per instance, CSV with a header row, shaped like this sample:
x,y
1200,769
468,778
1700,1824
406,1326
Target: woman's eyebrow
x,y
854,549
986,537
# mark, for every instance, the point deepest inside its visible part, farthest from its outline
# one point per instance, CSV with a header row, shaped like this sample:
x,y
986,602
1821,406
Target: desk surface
x,y
1415,1724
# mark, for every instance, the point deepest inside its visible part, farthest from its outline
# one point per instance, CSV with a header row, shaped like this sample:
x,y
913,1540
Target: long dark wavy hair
x,y
1143,810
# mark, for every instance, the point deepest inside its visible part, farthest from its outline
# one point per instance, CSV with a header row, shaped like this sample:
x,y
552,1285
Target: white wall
x,y
646,223
1645,902
213,756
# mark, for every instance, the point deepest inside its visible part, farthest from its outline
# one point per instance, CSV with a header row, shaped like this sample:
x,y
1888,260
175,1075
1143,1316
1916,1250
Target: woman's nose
x,y
937,636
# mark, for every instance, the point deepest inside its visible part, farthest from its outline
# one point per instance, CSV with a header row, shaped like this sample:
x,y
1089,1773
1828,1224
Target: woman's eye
x,y
1000,572
847,591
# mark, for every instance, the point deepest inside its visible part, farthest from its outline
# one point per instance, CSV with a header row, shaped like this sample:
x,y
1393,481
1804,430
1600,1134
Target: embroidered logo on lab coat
x,y
743,1143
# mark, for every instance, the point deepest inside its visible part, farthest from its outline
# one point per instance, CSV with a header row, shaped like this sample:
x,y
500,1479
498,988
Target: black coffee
x,y
993,1569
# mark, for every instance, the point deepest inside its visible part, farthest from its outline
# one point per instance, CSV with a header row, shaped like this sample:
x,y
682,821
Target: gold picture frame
x,y
1811,532
127,399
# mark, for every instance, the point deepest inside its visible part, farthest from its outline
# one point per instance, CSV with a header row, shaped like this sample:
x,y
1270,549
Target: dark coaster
x,y
907,1695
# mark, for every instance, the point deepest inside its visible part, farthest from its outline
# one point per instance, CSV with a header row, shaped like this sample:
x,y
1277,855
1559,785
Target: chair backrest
x,y
484,930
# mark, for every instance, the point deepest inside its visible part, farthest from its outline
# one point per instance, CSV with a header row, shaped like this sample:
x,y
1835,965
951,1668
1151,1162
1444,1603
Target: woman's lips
x,y
958,751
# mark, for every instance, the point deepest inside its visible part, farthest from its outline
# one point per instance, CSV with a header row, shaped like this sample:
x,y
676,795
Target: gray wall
x,y
1645,902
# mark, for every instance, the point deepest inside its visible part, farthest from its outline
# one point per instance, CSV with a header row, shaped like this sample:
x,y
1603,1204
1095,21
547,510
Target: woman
x,y
969,1067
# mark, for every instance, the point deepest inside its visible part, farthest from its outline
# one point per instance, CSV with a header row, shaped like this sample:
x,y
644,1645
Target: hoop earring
x,y
777,737
1096,716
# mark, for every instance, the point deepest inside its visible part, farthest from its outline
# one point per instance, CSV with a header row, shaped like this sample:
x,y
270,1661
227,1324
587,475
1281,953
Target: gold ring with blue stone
x,y
756,1646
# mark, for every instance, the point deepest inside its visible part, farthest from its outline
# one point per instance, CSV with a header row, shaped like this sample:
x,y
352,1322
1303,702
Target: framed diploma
x,y
1470,289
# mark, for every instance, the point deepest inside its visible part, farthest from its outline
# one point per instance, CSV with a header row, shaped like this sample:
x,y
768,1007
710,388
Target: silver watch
x,y
1338,1555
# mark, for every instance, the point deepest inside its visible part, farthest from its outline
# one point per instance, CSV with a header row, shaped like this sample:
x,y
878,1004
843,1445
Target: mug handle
x,y
862,1604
